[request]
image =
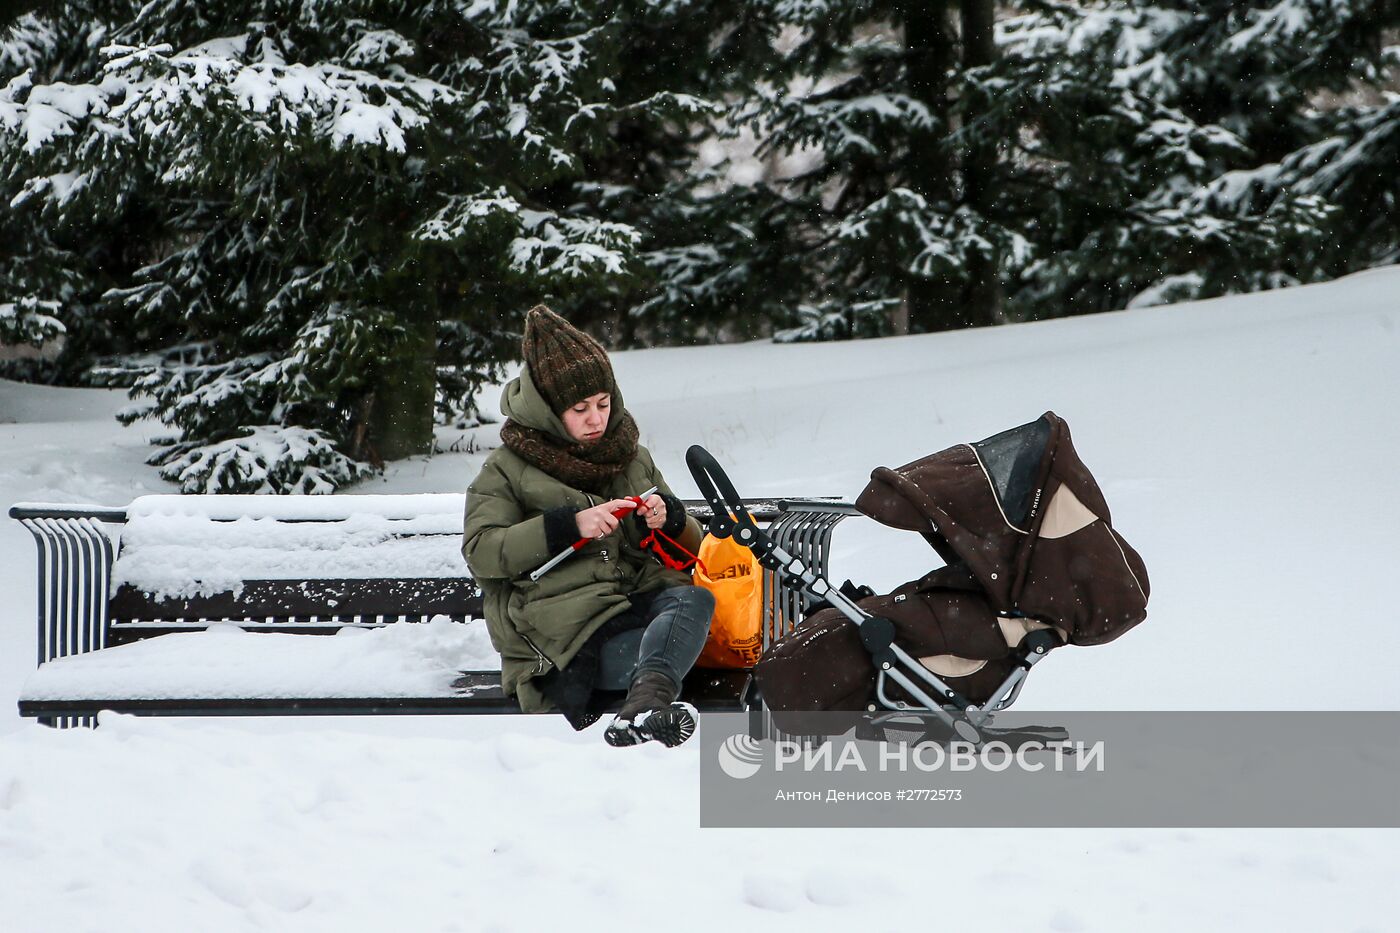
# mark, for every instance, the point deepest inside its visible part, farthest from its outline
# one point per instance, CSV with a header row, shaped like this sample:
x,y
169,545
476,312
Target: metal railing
x,y
802,527
75,555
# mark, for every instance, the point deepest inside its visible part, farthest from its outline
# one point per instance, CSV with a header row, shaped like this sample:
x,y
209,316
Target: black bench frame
x,y
75,615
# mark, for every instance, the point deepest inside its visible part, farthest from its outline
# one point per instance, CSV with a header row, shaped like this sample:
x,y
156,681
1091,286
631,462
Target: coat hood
x,y
522,403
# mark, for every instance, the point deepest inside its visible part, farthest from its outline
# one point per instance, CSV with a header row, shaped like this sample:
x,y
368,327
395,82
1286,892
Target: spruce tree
x,y
57,261
1181,149
900,213
701,258
1070,157
349,205
1309,84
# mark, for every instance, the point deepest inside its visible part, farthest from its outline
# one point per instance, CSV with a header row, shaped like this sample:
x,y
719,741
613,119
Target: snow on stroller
x,y
1031,562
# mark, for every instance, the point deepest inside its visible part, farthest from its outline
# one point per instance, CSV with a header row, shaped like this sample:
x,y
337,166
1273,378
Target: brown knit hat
x,y
566,364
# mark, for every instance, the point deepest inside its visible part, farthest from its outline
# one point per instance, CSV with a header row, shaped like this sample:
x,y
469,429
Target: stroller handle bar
x,y
731,519
716,489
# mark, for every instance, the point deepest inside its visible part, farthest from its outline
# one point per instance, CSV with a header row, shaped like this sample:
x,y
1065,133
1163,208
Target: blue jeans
x,y
678,620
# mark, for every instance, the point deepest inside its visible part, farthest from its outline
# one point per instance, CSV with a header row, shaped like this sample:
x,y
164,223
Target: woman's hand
x,y
653,510
598,522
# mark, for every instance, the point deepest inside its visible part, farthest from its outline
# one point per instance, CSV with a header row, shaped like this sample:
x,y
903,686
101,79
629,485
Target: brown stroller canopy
x,y
1021,515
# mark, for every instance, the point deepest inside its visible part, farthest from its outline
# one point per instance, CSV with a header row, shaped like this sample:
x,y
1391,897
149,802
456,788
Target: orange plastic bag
x,y
736,580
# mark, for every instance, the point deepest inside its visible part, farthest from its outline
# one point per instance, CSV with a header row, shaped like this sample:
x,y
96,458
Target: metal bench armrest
x,y
75,571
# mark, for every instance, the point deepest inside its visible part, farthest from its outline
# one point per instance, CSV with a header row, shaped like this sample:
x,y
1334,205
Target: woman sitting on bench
x,y
610,615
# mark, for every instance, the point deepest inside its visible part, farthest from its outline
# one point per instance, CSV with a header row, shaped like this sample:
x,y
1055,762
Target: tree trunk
x,y
931,304
899,320
984,299
401,413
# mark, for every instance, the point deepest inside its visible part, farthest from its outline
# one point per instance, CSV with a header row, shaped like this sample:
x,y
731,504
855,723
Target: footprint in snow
x,y
768,891
616,806
518,752
11,794
311,798
224,882
285,897
830,887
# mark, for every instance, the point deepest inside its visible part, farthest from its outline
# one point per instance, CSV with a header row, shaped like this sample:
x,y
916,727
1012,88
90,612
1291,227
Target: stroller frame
x,y
892,663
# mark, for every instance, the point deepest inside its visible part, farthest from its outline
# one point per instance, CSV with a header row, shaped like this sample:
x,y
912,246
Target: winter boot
x,y
650,713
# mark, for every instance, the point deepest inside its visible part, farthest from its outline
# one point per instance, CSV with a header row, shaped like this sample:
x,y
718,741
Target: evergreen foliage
x,y
700,272
1179,143
296,229
58,259
1084,155
338,209
896,208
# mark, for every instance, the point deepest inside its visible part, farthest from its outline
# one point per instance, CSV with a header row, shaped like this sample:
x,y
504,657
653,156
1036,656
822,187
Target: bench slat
x,y
260,599
706,690
310,706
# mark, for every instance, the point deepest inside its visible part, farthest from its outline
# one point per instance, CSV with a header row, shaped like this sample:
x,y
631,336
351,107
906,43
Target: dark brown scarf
x,y
590,467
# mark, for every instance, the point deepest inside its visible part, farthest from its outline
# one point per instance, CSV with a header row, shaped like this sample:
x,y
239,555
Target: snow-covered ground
x,y
1246,447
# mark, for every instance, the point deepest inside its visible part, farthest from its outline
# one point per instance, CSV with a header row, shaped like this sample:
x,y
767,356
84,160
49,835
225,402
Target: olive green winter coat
x,y
540,626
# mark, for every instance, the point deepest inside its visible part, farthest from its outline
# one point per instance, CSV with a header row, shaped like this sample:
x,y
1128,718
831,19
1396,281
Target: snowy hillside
x,y
1245,446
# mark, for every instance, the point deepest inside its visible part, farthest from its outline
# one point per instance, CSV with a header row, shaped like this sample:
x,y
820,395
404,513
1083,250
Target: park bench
x,y
142,609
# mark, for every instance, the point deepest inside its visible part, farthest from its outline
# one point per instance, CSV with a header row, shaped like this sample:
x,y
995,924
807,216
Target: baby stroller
x,y
1031,563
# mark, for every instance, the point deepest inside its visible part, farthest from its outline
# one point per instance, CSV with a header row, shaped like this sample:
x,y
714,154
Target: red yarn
x,y
650,543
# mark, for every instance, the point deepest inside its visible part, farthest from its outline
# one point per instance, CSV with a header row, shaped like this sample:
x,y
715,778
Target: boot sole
x,y
670,726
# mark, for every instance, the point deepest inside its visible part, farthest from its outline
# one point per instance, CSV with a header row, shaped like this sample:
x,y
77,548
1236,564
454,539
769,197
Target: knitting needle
x,y
557,559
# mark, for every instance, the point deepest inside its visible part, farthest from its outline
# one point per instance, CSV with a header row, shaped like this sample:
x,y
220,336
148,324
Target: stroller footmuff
x,y
1031,562
823,664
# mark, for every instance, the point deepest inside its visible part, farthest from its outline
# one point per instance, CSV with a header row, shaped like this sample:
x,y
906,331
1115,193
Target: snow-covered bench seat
x,y
382,574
